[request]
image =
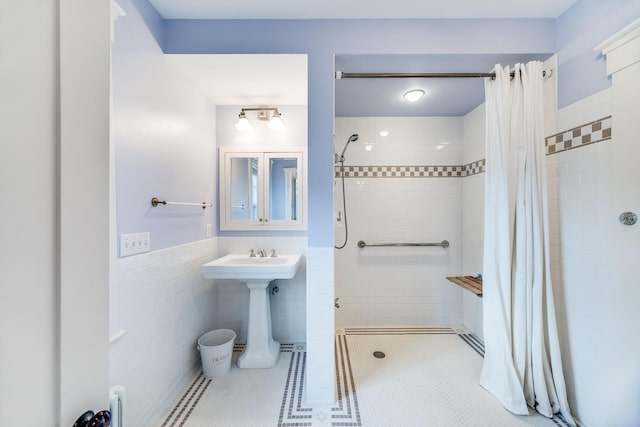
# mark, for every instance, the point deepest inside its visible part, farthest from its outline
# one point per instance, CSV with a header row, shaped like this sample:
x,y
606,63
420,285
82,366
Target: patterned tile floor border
x,y
293,412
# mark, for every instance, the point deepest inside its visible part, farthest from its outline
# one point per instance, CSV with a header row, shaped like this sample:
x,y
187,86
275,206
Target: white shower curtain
x,y
522,365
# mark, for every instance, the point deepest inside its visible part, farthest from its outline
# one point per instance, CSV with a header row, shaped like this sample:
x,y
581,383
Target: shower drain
x,y
379,354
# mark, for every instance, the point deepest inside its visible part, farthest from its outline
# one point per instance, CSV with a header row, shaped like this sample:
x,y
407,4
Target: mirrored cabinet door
x,y
243,185
261,190
283,190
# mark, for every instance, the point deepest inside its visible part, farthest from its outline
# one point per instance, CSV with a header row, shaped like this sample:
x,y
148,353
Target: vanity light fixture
x,y
243,124
276,121
413,95
270,114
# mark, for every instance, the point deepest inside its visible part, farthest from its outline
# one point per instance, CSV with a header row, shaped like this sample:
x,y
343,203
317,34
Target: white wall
x,y
400,286
165,306
28,173
473,216
164,138
593,255
84,210
621,302
579,183
55,135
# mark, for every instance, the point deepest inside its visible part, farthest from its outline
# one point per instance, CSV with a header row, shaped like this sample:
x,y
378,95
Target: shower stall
x,y
412,182
406,190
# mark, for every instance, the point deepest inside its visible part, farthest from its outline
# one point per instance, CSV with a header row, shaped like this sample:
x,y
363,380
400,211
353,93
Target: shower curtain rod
x,y
341,75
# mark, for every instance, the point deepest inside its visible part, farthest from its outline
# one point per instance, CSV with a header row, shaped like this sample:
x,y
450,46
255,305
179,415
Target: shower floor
x,y
429,376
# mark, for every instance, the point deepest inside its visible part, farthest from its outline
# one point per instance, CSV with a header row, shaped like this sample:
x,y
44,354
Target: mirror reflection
x,y
281,195
244,188
283,189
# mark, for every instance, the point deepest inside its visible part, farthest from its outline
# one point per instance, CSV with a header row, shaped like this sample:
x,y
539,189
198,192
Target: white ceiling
x,y
354,9
248,79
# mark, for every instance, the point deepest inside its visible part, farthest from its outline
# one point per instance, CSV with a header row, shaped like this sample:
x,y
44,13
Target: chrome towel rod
x,y
444,244
155,202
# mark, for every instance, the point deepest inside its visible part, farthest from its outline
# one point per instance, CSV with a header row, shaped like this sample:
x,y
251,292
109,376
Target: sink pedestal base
x,y
261,351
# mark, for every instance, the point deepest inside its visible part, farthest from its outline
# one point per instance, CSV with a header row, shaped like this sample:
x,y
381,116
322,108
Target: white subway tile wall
x,y
164,305
288,305
473,217
320,326
579,187
400,286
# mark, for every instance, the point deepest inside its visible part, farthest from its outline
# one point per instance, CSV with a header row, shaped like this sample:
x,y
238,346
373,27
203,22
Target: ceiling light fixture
x,y
384,133
413,95
270,114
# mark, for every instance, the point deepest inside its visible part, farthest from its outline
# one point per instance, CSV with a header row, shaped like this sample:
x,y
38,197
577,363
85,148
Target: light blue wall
x,y
582,70
150,16
322,39
164,130
573,35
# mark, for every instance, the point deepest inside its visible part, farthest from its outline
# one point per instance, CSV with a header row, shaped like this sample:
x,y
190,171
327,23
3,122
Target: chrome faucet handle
x,y
252,253
273,253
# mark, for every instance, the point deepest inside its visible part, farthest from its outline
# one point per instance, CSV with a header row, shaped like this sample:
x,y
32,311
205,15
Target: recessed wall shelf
x,y
470,283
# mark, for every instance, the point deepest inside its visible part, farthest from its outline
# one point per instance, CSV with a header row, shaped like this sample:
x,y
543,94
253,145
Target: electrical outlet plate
x,y
134,243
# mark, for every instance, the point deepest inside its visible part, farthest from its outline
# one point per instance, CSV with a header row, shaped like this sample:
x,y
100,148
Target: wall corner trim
x,y
116,12
622,49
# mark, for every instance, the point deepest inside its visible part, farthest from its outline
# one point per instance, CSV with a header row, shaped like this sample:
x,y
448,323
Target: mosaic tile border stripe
x,y
347,411
187,403
396,331
475,343
189,400
589,133
596,131
445,171
291,411
238,347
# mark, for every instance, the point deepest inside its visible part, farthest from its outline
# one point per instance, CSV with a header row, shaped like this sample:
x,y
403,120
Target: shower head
x,y
352,138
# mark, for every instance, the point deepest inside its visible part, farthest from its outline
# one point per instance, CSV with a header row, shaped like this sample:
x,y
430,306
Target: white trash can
x,y
216,348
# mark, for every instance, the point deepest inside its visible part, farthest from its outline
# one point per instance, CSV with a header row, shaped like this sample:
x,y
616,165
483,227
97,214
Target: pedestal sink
x,y
261,351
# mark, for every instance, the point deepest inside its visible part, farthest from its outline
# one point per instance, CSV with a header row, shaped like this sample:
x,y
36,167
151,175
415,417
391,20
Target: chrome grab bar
x,y
444,244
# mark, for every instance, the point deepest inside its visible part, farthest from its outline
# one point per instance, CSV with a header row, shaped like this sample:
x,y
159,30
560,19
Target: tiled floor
x,y
428,377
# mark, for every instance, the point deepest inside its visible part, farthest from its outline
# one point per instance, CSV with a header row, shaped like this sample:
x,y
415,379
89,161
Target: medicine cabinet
x,y
262,189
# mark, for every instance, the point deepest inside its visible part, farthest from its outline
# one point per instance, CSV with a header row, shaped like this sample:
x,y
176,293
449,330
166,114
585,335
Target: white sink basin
x,y
261,351
244,267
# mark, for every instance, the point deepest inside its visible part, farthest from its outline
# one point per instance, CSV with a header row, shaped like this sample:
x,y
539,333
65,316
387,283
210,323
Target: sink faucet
x,y
252,253
261,253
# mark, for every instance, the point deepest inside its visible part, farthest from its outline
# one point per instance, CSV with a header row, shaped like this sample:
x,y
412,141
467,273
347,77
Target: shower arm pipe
x,y
341,75
155,202
362,244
